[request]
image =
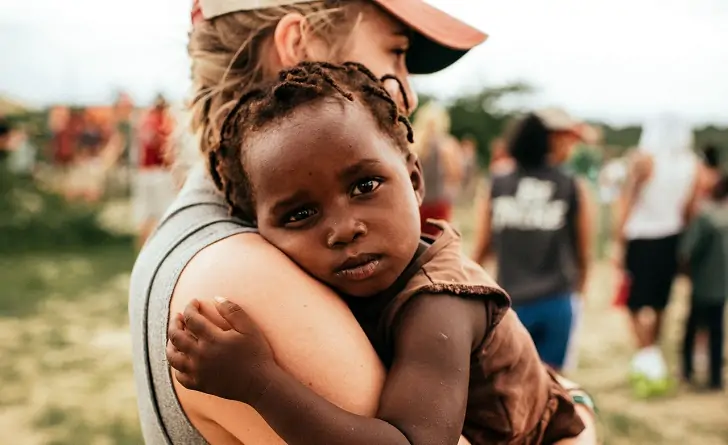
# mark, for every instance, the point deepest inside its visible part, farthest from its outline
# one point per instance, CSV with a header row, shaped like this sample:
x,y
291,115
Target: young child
x,y
321,162
704,248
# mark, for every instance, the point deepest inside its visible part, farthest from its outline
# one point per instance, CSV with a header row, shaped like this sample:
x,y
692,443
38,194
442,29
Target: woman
x,y
199,251
441,163
657,201
541,218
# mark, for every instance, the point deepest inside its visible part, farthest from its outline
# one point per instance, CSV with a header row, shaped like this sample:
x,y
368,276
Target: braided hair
x,y
264,104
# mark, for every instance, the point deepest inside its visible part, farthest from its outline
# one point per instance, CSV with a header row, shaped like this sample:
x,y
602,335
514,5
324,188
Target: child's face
x,y
337,196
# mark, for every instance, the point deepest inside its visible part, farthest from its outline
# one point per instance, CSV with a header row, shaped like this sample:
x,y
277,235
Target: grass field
x,y
66,379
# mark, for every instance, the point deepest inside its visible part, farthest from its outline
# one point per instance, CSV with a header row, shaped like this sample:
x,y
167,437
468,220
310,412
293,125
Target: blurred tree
x,y
481,117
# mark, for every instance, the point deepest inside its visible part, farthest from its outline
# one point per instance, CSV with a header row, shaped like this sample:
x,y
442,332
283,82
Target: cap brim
x,y
439,40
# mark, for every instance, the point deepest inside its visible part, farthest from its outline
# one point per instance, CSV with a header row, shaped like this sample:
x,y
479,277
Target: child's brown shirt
x,y
512,398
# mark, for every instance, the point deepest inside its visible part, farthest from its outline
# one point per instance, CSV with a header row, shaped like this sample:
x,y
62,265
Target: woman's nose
x,y
343,233
403,95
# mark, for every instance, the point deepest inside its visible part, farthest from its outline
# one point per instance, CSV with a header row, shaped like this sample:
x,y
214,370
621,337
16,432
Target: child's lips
x,y
359,267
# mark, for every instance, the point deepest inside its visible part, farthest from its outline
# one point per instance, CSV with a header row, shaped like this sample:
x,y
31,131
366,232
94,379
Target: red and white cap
x,y
439,40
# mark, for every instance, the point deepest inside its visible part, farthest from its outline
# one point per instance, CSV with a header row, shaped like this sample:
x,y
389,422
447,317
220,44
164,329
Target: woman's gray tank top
x,y
198,218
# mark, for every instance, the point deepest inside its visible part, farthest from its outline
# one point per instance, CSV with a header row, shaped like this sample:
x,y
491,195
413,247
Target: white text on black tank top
x,y
531,208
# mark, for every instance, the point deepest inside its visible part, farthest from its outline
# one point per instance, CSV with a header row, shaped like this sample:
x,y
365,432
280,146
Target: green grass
x,y
32,278
65,362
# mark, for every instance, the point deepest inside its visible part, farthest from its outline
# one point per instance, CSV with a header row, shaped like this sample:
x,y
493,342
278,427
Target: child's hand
x,y
233,364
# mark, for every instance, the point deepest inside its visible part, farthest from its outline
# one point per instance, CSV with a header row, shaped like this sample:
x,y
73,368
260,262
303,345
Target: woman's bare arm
x,y
313,335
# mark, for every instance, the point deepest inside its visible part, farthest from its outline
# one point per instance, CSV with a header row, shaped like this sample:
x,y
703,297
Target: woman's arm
x,y
312,332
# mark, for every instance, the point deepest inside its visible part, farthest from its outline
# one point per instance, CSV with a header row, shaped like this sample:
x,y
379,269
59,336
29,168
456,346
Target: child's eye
x,y
299,215
366,186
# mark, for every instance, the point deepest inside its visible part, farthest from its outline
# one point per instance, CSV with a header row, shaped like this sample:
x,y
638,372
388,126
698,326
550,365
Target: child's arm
x,y
423,401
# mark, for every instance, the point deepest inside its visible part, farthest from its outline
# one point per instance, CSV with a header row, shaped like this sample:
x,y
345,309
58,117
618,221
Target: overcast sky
x,y
610,59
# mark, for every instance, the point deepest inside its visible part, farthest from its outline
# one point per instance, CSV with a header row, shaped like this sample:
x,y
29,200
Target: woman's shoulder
x,y
240,261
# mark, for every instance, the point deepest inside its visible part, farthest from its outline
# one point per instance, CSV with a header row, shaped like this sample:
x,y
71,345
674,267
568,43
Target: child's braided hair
x,y
304,83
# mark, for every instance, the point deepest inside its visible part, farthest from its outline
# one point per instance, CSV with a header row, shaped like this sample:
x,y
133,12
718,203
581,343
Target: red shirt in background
x,y
155,135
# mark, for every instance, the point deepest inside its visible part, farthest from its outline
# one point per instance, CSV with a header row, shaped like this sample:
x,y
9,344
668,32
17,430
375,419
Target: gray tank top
x,y
433,173
198,218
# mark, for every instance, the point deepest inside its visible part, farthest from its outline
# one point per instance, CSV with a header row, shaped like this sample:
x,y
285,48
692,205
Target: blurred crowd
x,y
91,152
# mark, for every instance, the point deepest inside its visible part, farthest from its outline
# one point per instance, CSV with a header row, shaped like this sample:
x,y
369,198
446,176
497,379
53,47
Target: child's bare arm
x,y
424,398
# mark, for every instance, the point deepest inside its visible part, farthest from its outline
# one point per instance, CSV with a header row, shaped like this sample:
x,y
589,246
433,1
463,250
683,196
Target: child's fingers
x,y
182,339
177,323
177,359
234,314
201,327
185,380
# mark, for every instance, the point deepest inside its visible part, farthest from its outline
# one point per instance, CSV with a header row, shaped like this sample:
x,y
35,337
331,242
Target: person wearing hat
x,y
199,251
536,220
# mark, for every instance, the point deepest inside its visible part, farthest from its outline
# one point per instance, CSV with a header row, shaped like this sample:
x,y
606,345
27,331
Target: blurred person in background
x,y
23,153
154,188
201,251
656,203
501,162
86,176
441,160
118,150
469,159
710,171
704,250
610,180
541,217
64,124
5,132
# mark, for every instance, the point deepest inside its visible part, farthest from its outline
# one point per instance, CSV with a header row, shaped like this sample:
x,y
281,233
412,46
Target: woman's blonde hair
x,y
229,55
431,122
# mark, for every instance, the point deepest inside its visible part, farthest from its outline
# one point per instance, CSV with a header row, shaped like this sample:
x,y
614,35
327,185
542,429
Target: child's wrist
x,y
261,377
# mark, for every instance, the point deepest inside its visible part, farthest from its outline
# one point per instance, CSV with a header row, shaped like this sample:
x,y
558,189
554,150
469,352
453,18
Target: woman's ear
x,y
294,42
418,181
289,40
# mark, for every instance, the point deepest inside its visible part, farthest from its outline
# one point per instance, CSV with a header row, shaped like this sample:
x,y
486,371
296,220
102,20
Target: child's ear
x,y
415,171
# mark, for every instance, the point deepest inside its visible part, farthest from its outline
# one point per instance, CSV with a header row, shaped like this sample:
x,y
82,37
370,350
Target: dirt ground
x,y
66,379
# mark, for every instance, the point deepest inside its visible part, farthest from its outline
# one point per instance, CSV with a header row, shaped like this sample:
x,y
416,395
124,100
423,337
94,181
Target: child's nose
x,y
343,233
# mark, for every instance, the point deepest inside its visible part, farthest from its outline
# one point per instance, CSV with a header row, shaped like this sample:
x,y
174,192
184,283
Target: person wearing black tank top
x,y
536,222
